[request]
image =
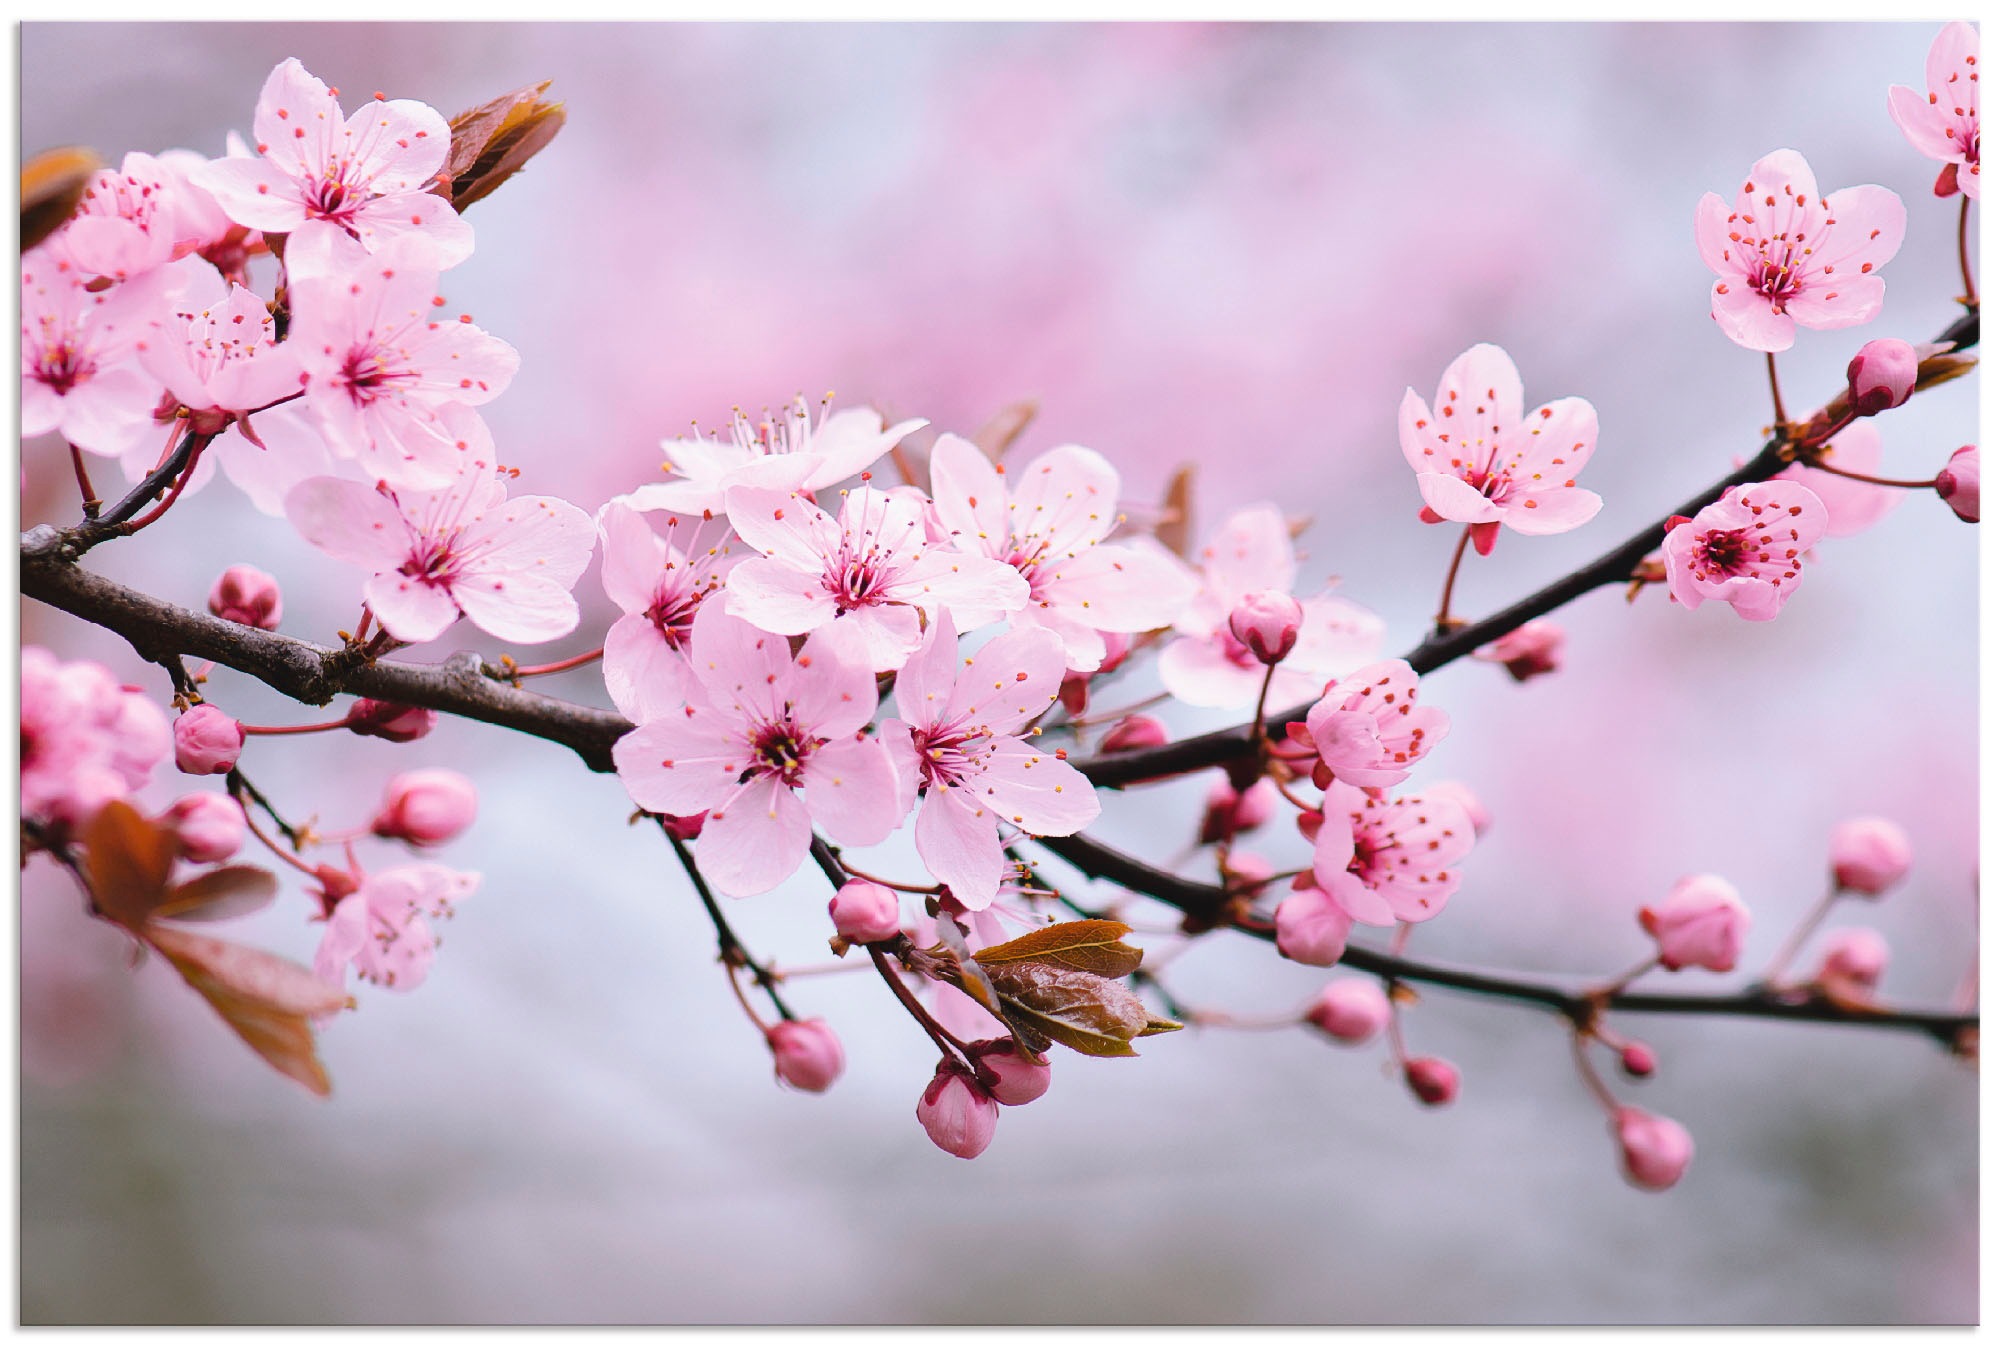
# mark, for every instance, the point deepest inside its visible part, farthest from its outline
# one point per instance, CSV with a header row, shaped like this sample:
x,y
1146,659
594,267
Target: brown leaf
x,y
219,894
1005,426
1943,369
52,184
1084,1012
1154,1026
1088,946
265,998
1176,521
492,142
127,861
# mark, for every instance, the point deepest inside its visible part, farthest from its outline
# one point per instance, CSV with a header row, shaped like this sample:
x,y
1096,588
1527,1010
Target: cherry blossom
x,y
1368,728
426,808
1351,1010
508,565
1943,123
784,451
247,595
769,746
1784,255
85,740
382,927
1746,549
127,224
217,349
1653,1150
367,175
1385,860
209,827
958,1113
806,1054
1312,927
379,369
1049,522
80,374
1851,506
1479,460
1869,855
960,740
1958,483
864,912
207,741
872,569
1207,666
659,584
1701,922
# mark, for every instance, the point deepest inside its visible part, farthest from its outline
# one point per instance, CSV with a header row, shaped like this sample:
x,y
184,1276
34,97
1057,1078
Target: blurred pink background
x,y
1230,245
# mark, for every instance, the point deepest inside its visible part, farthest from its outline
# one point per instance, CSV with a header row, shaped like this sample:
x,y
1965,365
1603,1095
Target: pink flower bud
x,y
1852,963
1959,483
1074,693
210,827
1352,1010
865,913
1638,1061
1230,811
1461,795
206,741
1655,1150
1527,651
1432,1079
806,1054
1117,645
1312,928
1248,873
687,828
426,808
391,720
957,1112
1132,733
1882,375
1011,1078
1870,856
246,594
1701,922
1267,623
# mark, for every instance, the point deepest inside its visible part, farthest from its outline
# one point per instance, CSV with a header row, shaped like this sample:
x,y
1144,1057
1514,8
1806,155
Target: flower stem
x,y
731,949
1579,1042
946,1043
91,504
180,484
1443,622
275,729
1799,935
1929,483
1777,398
559,666
1971,298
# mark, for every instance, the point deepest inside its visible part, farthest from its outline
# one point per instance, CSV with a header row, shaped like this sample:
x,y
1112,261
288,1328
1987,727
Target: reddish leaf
x,y
492,142
1174,527
1088,946
127,861
52,183
264,998
219,894
1005,426
1084,1012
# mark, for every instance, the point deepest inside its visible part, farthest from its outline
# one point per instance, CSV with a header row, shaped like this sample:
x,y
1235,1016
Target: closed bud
x,y
957,1111
1654,1151
1882,375
1432,1079
391,720
1959,483
209,827
1528,651
1638,1061
1701,922
1852,964
1247,874
684,828
426,808
1074,693
1230,811
1267,623
865,913
1870,856
1312,928
1352,1010
1012,1079
805,1053
246,594
206,741
1133,733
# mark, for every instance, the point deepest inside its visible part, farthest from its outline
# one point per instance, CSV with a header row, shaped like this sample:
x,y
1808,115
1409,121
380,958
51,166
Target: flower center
x,y
949,756
1723,552
1776,282
367,374
432,562
780,750
333,198
61,367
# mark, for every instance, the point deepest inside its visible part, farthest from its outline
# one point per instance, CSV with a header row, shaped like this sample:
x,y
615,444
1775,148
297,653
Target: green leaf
x,y
1087,946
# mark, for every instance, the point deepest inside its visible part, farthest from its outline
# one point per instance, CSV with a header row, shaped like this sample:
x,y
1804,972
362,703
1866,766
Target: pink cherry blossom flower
x,y
1943,123
1869,855
1352,1010
207,741
1528,651
382,928
864,912
659,584
127,223
379,370
80,372
200,223
1049,521
85,740
1958,483
787,451
1784,255
209,827
1385,860
217,348
1746,549
509,565
1368,728
770,747
957,1112
1851,963
247,595
960,738
872,569
1207,666
806,1054
1432,1079
1012,1078
367,175
1851,506
1312,927
1701,922
426,808
1479,460
1654,1151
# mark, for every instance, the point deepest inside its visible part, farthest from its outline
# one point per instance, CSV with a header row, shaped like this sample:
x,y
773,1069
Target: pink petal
x,y
737,666
832,690
516,606
255,193
1748,318
970,494
409,609
1455,500
398,145
298,120
1012,679
1196,670
1417,431
1068,496
756,840
1118,588
681,764
1711,238
634,556
293,452
1479,398
1252,550
646,678
1856,300
1538,513
850,788
419,215
924,685
537,535
1924,125
349,522
778,598
784,525
959,843
1035,790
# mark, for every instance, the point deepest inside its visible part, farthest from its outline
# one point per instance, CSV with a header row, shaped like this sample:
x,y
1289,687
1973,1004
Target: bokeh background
x,y
1228,245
